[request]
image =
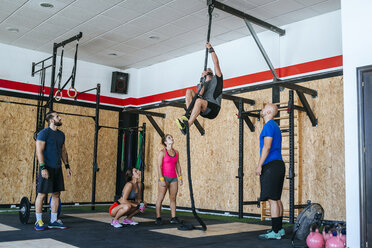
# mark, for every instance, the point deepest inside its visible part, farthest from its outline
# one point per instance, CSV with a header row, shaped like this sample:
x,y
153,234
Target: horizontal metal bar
x,y
121,128
76,37
41,61
248,17
82,91
20,103
64,113
300,88
144,112
237,98
250,202
46,67
289,81
251,114
174,104
253,111
300,206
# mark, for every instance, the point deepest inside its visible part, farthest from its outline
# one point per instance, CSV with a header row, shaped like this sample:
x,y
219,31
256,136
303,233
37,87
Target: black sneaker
x,y
175,220
158,221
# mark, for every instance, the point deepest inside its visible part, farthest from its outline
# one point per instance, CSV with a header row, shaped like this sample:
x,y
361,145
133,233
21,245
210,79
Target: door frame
x,y
362,163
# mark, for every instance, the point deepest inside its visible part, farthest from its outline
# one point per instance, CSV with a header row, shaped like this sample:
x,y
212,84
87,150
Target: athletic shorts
x,y
272,179
53,184
169,179
115,204
212,111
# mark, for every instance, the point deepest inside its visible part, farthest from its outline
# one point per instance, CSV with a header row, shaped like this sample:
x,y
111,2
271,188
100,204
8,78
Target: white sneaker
x,y
129,222
116,224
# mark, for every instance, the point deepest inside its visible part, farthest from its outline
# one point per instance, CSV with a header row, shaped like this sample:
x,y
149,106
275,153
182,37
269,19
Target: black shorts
x,y
53,184
272,179
212,111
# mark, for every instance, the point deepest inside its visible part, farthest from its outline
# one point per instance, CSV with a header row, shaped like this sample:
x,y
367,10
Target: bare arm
x,y
178,166
139,198
160,168
64,154
65,160
160,164
216,63
40,146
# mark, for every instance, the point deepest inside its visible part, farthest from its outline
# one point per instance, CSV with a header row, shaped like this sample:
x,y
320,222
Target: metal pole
x,y
51,93
262,49
241,156
291,158
245,16
96,129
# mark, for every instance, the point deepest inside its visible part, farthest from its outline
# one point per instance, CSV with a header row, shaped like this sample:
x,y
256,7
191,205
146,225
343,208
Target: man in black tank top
x,y
208,104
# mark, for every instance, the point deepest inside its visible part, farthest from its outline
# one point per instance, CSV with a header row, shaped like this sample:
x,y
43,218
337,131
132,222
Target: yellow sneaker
x,y
39,226
181,125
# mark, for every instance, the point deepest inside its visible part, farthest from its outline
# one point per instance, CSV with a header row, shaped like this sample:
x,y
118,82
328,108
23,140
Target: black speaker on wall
x,y
119,82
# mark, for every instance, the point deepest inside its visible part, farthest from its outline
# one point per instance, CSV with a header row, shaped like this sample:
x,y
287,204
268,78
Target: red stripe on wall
x,y
312,66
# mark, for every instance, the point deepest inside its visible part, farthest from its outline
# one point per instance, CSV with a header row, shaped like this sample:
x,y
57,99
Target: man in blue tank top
x,y
271,170
208,103
50,148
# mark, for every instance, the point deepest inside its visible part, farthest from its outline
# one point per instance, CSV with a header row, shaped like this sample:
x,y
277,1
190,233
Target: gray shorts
x,y
169,179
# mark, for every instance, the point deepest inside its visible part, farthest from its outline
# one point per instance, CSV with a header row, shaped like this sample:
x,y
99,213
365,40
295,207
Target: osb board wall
x,y
214,157
17,150
17,125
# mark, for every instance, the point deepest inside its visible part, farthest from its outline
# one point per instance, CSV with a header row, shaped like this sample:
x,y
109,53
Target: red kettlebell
x,y
335,241
314,239
327,233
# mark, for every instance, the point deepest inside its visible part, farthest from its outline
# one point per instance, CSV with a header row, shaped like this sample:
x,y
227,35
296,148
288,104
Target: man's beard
x,y
58,124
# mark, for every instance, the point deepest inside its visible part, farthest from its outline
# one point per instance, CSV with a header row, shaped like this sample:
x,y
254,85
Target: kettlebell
x,y
314,239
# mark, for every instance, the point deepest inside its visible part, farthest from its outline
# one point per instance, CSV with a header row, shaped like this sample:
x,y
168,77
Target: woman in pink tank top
x,y
169,171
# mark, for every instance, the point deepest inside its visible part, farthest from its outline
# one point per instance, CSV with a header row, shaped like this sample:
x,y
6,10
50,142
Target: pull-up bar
x,y
247,17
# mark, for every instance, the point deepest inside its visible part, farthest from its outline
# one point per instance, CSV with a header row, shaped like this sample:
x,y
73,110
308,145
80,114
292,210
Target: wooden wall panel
x,y
215,155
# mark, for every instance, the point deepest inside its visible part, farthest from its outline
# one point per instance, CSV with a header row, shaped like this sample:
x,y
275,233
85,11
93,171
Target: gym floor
x,y
93,229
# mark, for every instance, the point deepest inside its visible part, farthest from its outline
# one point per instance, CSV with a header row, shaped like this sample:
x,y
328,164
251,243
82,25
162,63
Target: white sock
x,y
53,217
38,216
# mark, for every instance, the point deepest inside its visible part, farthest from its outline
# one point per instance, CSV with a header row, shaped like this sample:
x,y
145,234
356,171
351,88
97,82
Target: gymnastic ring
x,y
68,92
58,95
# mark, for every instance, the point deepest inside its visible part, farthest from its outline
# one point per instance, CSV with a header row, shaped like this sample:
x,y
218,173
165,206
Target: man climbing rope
x,y
208,102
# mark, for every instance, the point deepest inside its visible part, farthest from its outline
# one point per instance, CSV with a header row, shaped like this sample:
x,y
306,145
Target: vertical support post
x,y
51,93
276,99
96,129
291,158
143,158
241,150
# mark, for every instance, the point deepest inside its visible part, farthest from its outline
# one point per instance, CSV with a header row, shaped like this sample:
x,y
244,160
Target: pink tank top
x,y
169,164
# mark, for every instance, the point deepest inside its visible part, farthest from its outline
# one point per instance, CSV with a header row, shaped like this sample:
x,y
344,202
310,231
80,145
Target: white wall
x,y
308,40
15,65
312,39
357,51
